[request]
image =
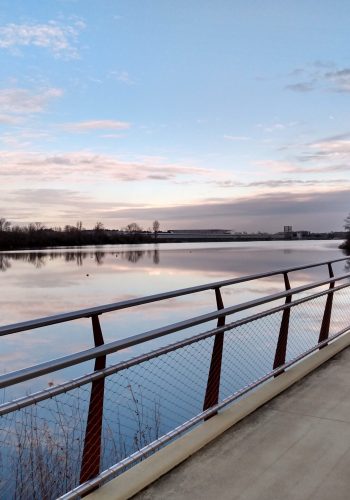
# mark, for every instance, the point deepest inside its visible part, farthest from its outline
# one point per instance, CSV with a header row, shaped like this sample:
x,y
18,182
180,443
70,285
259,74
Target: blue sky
x,y
230,114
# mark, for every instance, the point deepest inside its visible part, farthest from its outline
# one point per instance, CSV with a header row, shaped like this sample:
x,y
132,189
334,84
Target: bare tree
x,y
36,226
133,227
156,227
346,244
99,226
4,224
347,225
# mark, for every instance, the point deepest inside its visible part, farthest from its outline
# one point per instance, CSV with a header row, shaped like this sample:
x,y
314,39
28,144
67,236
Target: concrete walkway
x,y
296,447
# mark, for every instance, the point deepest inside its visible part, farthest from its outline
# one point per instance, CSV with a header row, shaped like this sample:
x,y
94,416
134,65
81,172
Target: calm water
x,y
147,400
35,284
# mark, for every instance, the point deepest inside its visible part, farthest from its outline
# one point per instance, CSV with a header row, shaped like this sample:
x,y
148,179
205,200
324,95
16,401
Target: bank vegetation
x,y
36,235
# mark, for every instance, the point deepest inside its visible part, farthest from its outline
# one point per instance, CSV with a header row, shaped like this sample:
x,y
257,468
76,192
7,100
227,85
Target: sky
x,y
201,114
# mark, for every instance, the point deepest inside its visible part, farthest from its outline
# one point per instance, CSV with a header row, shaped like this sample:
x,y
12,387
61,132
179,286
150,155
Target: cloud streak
x,y
295,168
266,212
85,165
64,197
91,125
6,119
59,39
326,156
320,77
280,183
19,101
236,138
122,76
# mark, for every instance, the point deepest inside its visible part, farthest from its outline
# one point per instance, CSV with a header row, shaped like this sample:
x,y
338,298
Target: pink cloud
x,y
86,126
39,166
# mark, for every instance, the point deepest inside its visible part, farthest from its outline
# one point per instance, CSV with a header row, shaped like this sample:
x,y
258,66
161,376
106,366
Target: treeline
x,y
346,245
37,235
39,258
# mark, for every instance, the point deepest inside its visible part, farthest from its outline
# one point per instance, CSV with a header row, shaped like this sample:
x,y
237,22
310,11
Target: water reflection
x,y
43,283
39,259
244,259
4,262
347,263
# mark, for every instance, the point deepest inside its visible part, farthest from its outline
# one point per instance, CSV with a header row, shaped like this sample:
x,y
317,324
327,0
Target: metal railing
x,y
80,433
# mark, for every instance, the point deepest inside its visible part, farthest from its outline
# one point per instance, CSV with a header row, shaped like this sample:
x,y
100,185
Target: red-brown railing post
x,y
326,320
213,383
90,464
281,349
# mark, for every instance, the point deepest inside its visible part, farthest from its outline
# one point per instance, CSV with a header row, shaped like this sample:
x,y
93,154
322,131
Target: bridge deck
x,y
296,447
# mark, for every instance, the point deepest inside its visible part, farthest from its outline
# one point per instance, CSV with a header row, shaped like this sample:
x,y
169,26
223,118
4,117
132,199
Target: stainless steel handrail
x,y
169,436
50,392
112,347
92,311
90,473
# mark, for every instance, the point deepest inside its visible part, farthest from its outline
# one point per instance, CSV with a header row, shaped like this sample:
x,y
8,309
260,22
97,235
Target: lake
x,y
46,282
147,400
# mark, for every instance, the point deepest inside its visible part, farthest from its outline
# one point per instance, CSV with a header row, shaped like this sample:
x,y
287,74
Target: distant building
x,y
289,234
200,231
303,234
196,235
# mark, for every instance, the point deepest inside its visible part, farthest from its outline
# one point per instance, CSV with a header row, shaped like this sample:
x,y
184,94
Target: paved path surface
x,y
295,447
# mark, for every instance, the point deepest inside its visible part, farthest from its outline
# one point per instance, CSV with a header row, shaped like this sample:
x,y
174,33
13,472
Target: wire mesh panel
x,y
340,311
50,446
248,353
304,326
41,447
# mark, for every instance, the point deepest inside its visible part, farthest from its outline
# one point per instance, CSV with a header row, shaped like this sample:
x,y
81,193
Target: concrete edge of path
x,y
146,472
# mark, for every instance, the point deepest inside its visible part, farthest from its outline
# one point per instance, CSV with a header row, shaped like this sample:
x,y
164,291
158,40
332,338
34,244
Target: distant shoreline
x,y
37,236
152,240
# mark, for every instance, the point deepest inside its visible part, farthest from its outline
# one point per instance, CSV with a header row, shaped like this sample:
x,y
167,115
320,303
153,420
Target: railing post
x,y
213,383
90,465
326,320
281,349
